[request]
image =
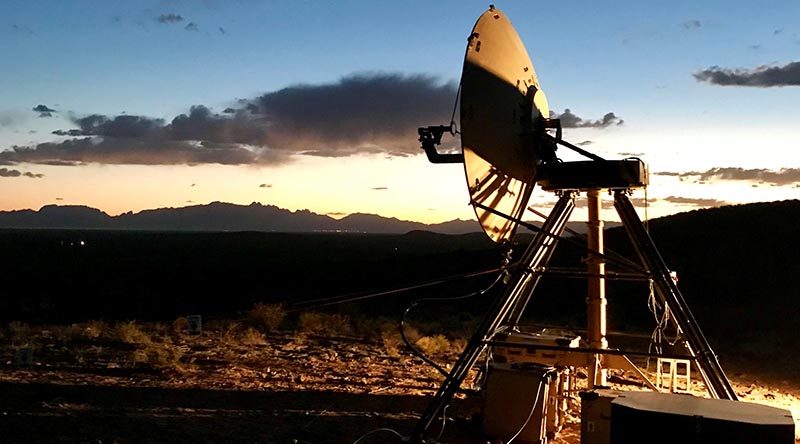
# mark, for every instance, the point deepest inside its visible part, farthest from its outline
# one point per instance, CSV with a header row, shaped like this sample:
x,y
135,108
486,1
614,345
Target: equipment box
x,y
657,418
596,415
515,396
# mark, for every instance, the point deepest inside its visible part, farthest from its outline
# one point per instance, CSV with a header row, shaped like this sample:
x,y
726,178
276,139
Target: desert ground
x,y
323,378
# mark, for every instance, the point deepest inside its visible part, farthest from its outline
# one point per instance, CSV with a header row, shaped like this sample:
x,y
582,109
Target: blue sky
x,y
156,59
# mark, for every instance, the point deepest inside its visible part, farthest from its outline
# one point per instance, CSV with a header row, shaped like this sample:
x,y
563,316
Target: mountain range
x,y
220,216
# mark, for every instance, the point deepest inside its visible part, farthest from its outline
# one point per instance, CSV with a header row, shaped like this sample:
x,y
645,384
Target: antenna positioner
x,y
431,136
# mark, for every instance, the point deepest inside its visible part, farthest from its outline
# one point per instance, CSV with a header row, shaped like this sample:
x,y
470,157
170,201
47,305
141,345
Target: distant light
x,y
83,243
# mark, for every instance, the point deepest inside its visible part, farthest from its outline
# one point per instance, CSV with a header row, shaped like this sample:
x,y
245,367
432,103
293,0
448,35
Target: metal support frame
x,y
522,282
710,369
508,307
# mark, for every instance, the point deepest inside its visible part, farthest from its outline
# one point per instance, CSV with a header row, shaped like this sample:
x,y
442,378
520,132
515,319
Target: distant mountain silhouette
x,y
219,216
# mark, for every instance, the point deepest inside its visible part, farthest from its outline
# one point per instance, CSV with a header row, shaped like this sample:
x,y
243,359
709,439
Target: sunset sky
x,y
125,106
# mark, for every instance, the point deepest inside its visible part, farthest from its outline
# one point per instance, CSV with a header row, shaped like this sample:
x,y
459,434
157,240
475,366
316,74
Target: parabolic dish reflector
x,y
500,102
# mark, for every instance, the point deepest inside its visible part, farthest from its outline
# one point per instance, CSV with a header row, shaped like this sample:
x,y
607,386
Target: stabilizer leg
x,y
521,281
714,377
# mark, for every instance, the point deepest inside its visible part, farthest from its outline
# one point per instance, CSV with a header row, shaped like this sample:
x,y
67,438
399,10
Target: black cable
x,y
402,324
453,128
530,415
608,251
536,229
351,297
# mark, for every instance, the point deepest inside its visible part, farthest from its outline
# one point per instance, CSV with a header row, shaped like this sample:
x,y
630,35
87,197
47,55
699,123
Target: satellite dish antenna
x,y
508,146
505,126
501,103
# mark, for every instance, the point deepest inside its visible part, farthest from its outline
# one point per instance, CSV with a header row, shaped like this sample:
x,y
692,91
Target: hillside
x,y
221,216
738,268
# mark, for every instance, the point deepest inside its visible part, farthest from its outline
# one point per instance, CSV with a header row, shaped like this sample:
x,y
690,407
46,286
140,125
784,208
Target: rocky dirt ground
x,y
132,383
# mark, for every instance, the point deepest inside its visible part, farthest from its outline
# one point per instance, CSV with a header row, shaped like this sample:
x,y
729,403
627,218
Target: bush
x,y
19,331
159,356
433,345
130,333
266,317
180,325
253,337
94,329
325,324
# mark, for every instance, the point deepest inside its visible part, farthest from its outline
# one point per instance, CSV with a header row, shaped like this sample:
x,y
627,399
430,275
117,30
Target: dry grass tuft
x,y
19,332
266,317
130,333
392,343
433,345
160,356
94,329
325,324
253,337
230,336
180,326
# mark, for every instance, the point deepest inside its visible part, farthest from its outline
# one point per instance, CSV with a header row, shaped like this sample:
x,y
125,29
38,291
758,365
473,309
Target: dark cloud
x,y
132,152
44,110
361,114
784,176
698,202
191,26
692,24
336,213
379,188
169,18
6,172
570,120
763,76
59,198
585,143
265,185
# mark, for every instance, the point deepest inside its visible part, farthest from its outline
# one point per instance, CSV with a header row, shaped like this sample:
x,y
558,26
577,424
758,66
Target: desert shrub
x,y
19,331
266,317
130,333
230,334
412,334
325,324
458,345
94,329
180,325
253,337
433,345
159,356
392,342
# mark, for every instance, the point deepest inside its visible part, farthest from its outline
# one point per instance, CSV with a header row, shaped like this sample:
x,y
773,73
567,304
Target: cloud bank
x,y
762,77
6,172
360,114
570,120
784,176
